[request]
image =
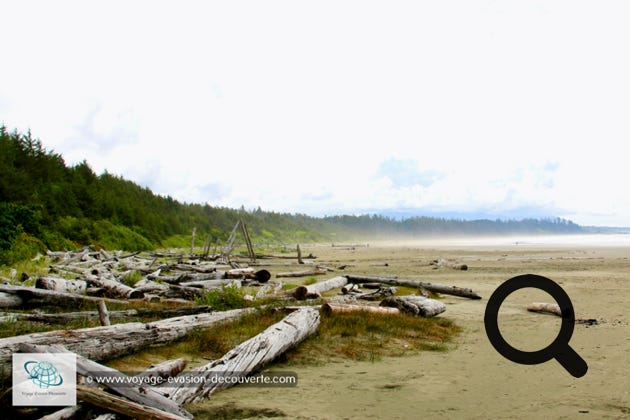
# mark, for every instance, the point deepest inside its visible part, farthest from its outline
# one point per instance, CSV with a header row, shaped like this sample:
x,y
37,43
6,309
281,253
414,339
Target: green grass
x,y
370,336
132,277
351,336
229,297
310,280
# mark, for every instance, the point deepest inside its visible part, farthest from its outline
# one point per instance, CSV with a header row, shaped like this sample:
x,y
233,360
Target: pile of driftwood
x,y
138,397
97,277
83,275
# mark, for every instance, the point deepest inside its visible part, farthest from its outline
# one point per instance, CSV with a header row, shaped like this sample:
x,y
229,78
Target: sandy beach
x,y
472,380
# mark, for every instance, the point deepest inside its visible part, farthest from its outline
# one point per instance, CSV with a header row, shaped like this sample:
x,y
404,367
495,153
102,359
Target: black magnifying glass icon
x,y
559,349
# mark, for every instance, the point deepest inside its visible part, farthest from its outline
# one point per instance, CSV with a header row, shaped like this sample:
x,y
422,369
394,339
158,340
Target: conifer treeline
x,y
45,203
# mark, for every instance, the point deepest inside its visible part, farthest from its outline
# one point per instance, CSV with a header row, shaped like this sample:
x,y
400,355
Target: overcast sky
x,y
489,107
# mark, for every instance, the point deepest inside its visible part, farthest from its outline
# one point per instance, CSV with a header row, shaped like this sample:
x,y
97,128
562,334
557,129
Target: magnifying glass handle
x,y
572,362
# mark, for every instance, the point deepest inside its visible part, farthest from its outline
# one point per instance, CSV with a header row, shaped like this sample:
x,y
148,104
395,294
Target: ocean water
x,y
615,240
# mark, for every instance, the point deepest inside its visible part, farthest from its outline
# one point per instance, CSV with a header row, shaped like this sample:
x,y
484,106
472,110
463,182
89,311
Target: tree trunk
x,y
314,272
301,292
548,308
115,381
250,355
438,288
415,305
330,308
58,284
102,343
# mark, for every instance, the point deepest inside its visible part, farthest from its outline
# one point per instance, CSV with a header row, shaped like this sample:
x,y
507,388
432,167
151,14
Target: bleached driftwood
x,y
548,308
330,308
438,288
123,406
31,296
164,370
114,289
301,292
59,284
314,272
250,355
103,315
9,300
58,317
415,305
102,343
449,264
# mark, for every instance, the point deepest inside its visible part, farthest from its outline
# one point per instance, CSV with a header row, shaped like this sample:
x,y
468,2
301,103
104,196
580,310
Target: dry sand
x,y
472,380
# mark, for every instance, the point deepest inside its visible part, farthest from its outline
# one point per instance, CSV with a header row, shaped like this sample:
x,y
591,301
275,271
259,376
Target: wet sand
x,y
472,380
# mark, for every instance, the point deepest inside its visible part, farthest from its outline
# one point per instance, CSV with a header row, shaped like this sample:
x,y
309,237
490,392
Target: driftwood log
x,y
164,370
314,272
102,343
9,300
549,308
449,264
249,356
113,288
415,305
316,289
60,317
103,315
30,296
122,406
438,288
330,308
59,284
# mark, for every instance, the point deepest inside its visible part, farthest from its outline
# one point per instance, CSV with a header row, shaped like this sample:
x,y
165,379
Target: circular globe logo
x,y
43,374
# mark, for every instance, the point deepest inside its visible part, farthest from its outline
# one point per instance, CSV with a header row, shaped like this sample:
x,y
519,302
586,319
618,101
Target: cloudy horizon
x,y
512,109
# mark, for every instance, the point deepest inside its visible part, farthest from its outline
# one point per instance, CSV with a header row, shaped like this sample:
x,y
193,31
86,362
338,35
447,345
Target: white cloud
x,y
302,107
